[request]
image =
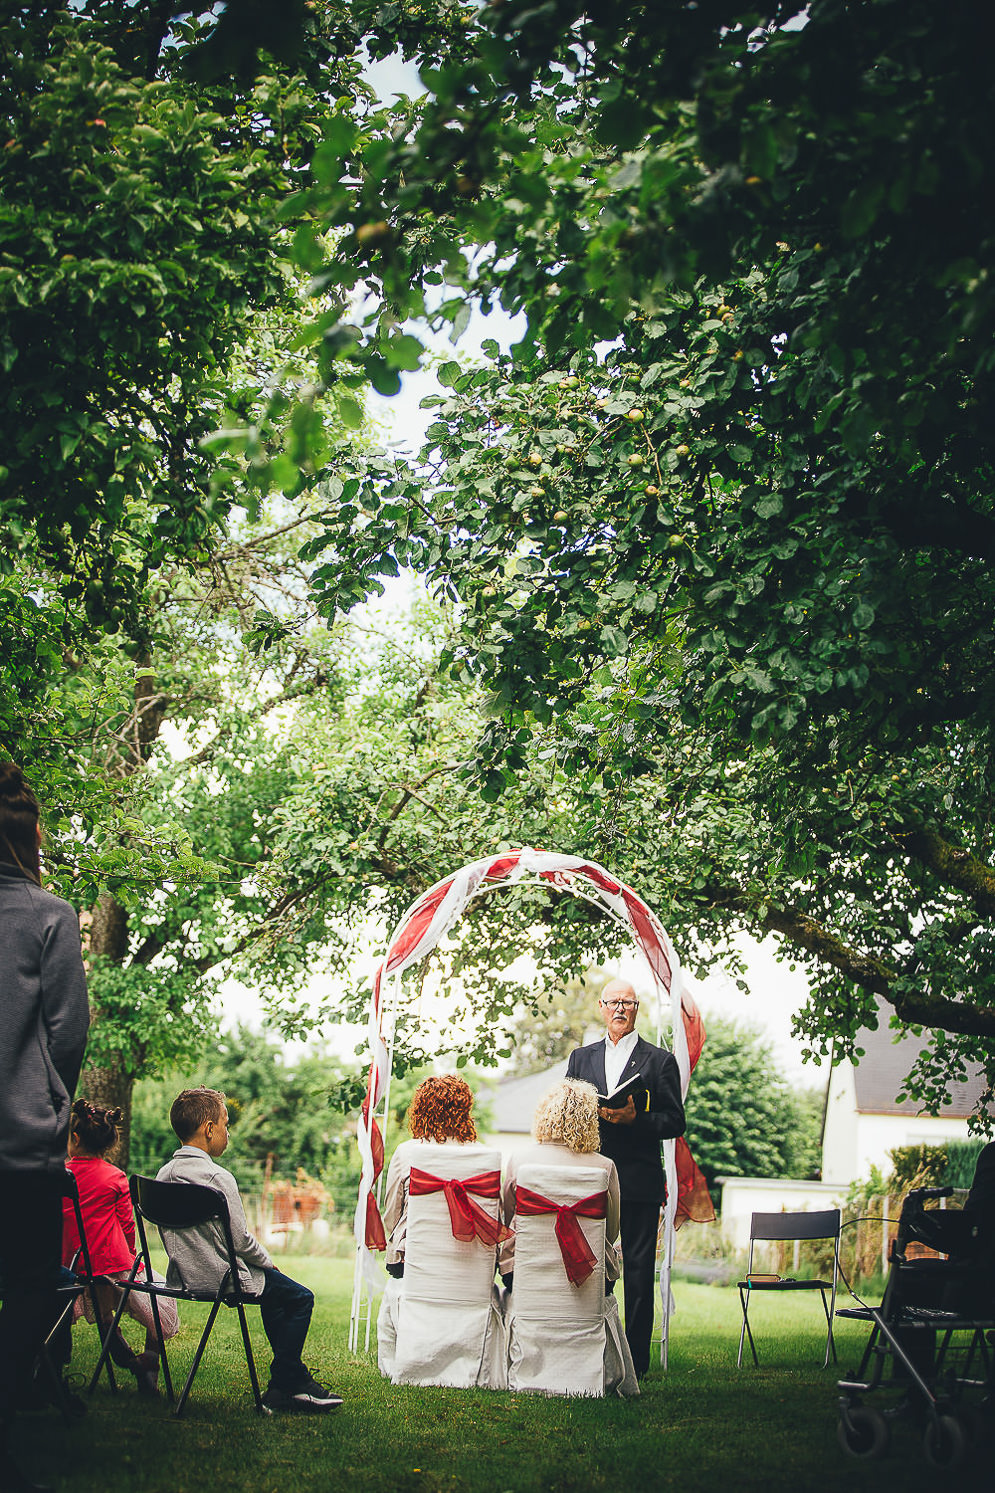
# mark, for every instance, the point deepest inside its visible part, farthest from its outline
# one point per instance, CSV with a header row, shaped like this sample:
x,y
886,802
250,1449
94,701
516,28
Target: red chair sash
x,y
578,1259
469,1220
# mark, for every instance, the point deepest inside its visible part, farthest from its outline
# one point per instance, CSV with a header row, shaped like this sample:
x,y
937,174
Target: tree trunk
x,y
112,1086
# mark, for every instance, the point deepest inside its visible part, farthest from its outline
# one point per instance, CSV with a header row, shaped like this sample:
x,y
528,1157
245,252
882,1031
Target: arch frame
x,y
416,935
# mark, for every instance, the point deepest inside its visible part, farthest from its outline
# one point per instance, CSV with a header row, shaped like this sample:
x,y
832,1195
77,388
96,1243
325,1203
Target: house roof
x,y
514,1100
886,1064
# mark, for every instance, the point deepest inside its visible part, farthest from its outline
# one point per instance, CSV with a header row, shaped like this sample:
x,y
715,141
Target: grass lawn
x,y
702,1425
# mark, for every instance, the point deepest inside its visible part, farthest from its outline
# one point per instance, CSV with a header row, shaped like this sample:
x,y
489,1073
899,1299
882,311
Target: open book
x,y
618,1097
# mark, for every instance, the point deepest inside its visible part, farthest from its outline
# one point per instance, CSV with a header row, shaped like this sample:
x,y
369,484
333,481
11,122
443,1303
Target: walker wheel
x,y
944,1442
863,1433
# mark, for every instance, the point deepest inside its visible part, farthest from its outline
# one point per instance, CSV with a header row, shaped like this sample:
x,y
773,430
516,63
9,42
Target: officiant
x,y
630,1135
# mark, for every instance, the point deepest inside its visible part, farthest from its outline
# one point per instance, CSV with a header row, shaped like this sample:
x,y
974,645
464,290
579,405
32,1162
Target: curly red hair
x,y
440,1109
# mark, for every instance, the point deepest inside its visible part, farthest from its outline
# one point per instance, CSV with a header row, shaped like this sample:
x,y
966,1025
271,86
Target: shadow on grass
x,y
701,1425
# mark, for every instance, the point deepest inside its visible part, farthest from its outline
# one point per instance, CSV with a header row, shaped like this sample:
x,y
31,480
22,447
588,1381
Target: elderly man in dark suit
x,y
631,1136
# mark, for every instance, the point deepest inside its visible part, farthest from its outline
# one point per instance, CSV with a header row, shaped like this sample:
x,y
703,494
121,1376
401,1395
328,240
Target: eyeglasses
x,y
621,1005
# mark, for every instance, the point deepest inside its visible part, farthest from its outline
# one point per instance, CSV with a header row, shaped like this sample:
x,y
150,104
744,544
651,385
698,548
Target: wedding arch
x,y
428,918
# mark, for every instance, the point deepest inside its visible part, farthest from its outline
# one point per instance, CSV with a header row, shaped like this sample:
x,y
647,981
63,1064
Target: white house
x,y
864,1119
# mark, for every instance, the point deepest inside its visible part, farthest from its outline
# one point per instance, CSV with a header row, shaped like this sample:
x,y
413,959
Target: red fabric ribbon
x,y
375,1235
469,1220
694,1204
578,1260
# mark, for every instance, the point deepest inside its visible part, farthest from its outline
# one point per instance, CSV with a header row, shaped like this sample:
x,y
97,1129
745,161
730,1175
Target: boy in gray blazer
x,y
197,1257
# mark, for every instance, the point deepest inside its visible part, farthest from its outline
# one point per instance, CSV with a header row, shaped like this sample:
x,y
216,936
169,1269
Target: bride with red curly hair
x,y
441,1111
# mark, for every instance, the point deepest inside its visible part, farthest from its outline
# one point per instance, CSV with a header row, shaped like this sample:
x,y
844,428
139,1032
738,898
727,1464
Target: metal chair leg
x,y
746,1331
250,1360
181,1402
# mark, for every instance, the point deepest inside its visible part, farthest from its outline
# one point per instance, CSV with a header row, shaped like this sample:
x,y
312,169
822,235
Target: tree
x,y
555,1022
760,525
138,234
743,1118
286,1113
754,579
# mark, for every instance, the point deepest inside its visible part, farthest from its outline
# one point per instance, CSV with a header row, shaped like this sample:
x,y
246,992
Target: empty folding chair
x,y
824,1224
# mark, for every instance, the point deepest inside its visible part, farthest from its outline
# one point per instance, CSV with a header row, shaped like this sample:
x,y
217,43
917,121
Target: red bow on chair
x,y
469,1220
578,1261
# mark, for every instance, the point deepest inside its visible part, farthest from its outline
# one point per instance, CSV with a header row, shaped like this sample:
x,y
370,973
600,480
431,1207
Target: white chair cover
x,y
441,1323
563,1339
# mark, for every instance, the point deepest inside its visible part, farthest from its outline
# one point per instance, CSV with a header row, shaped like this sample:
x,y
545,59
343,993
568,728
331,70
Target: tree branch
x,y
955,866
870,973
308,688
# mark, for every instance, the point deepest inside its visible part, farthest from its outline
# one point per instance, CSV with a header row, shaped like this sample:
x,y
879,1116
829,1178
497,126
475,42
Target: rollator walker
x,y
930,1348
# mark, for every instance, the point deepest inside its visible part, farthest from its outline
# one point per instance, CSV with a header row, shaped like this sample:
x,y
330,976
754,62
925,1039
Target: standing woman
x,y
44,1016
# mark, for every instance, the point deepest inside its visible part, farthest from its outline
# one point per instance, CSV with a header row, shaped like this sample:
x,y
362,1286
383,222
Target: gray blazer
x,y
44,1018
197,1257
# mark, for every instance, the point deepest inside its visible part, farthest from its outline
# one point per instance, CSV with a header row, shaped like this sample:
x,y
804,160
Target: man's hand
x,y
624,1116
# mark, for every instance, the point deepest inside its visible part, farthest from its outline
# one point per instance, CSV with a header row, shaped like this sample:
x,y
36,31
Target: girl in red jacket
x,y
105,1204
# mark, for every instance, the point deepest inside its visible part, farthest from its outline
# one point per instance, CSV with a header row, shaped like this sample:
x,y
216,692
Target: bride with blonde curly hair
x,y
565,1134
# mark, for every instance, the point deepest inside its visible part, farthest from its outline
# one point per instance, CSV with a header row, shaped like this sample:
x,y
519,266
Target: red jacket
x,y
105,1204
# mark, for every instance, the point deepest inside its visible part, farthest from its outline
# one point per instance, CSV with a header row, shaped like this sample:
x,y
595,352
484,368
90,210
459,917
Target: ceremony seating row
x,y
446,1321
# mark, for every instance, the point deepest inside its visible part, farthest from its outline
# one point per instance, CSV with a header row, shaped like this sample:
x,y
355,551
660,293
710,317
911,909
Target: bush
x,y
962,1158
916,1166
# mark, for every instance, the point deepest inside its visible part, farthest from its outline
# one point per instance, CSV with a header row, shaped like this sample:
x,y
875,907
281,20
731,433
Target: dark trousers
x,y
639,1224
30,1262
285,1307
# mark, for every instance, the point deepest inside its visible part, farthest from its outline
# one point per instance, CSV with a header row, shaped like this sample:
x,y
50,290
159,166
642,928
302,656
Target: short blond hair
x,y
568,1116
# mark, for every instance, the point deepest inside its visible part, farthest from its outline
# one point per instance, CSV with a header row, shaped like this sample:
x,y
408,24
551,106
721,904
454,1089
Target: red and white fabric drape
x,y
435,912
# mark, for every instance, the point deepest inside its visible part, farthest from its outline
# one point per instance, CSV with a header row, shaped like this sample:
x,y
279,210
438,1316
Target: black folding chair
x,y
824,1224
85,1282
177,1206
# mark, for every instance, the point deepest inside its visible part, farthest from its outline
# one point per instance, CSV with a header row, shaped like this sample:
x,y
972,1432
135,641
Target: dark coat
x,y
44,1016
635,1148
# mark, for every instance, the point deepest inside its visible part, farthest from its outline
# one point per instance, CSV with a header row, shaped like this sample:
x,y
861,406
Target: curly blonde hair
x,y
440,1109
568,1115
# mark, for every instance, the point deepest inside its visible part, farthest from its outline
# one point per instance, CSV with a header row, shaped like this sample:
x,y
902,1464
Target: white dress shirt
x,y
617,1054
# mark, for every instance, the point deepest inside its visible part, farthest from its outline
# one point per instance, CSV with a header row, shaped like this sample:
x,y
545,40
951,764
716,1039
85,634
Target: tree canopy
x,y
717,537
724,519
744,1120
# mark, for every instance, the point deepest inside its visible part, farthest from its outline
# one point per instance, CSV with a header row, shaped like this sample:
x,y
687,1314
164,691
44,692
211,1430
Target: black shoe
x,y
310,1396
147,1374
41,1394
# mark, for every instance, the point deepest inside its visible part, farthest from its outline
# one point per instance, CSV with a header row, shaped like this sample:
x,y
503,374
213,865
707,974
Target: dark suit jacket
x,y
635,1149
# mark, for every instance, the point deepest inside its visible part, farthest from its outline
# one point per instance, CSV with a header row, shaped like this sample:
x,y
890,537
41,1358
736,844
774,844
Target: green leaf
x,y
351,411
